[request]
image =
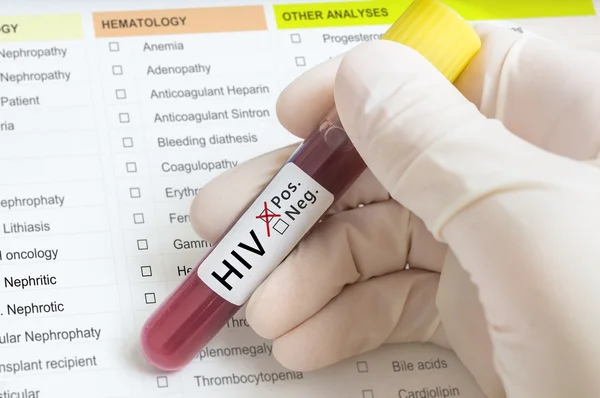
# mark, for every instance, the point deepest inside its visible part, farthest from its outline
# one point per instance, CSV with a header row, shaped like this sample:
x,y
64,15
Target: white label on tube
x,y
265,234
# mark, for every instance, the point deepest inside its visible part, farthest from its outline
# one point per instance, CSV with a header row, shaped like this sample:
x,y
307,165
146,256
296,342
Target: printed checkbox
x,y
131,167
121,94
162,382
368,394
124,117
295,38
362,367
135,193
150,298
146,271
127,142
138,218
113,46
280,226
142,244
300,61
117,70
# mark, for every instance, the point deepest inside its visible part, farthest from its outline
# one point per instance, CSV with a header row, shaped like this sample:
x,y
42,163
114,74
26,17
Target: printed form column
x,y
311,34
190,94
59,303
315,32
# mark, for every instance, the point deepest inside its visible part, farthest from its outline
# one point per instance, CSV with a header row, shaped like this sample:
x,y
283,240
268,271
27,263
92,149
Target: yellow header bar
x,y
518,9
16,28
384,12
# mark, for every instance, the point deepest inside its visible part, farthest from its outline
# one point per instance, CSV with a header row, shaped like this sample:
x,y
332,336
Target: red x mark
x,y
267,215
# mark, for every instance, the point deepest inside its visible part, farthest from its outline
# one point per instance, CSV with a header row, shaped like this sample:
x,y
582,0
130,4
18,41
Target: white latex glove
x,y
498,221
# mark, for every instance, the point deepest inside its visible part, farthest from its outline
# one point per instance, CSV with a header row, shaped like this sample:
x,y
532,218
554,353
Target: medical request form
x,y
113,115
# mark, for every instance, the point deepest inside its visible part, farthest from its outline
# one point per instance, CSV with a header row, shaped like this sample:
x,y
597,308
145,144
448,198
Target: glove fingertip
x,y
306,100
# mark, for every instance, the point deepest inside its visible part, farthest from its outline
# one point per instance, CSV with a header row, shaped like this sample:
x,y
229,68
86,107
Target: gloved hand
x,y
487,188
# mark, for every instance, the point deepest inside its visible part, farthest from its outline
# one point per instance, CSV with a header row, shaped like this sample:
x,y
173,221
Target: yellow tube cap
x,y
438,33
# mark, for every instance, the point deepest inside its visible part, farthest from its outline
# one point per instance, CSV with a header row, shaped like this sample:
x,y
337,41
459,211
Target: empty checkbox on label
x,y
124,117
121,94
127,142
300,61
146,271
117,70
138,218
280,226
150,298
295,38
113,46
368,394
